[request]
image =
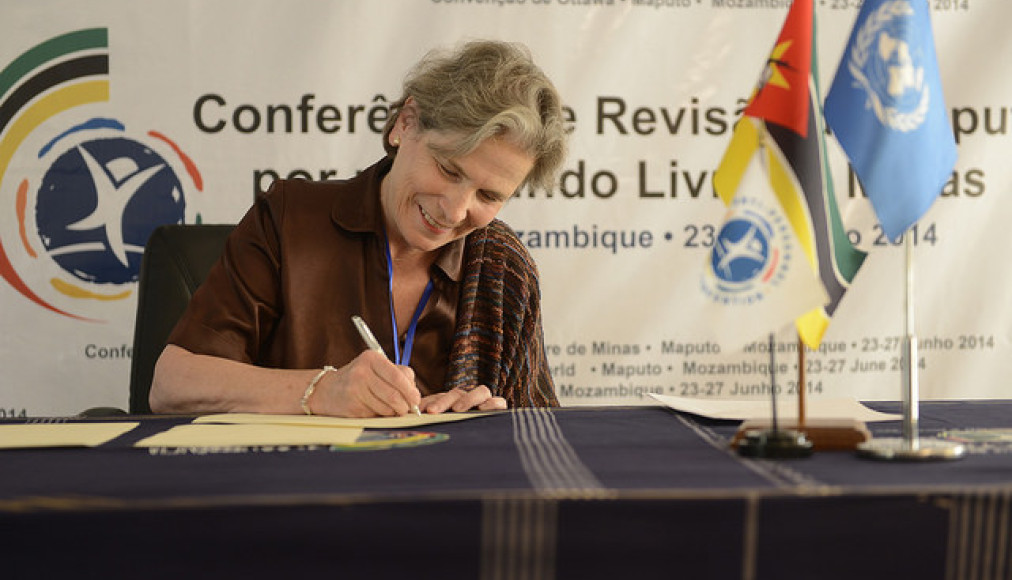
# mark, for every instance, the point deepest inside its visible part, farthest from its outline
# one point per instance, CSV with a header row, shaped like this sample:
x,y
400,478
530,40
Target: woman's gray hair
x,y
488,89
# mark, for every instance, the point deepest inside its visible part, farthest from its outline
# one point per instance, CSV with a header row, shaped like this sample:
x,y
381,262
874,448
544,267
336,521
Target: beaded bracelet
x,y
312,387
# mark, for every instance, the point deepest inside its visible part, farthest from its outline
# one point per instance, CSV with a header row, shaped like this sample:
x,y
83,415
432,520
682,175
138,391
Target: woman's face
x,y
430,199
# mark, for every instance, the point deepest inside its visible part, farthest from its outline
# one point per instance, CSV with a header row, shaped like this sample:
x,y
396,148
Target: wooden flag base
x,y
825,434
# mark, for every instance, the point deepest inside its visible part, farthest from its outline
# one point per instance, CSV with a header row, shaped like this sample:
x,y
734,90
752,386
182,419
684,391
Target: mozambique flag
x,y
799,261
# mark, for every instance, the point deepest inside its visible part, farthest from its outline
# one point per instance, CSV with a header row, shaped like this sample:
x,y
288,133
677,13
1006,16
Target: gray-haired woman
x,y
411,244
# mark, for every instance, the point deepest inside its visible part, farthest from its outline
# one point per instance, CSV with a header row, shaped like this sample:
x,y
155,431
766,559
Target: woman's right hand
x,y
369,386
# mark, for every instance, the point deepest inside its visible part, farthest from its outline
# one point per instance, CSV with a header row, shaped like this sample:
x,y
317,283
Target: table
x,y
580,492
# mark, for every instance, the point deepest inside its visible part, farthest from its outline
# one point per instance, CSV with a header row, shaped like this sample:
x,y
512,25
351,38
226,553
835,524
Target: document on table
x,y
787,408
61,434
406,421
229,435
221,430
229,429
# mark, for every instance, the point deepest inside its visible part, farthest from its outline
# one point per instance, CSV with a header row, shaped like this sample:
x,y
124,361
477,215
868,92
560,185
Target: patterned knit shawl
x,y
499,341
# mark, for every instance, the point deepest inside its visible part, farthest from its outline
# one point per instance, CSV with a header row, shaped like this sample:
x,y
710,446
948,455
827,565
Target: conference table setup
x,y
557,213
572,492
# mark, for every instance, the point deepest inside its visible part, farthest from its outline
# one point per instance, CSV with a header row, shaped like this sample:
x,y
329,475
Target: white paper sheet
x,y
210,435
405,421
61,434
837,408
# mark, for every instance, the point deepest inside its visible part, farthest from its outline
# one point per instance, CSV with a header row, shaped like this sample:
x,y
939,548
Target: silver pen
x,y
373,344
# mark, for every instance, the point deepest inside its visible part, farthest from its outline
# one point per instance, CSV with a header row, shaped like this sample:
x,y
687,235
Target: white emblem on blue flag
x,y
887,111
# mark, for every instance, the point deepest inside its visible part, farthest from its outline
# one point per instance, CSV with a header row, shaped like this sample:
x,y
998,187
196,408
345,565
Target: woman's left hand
x,y
458,399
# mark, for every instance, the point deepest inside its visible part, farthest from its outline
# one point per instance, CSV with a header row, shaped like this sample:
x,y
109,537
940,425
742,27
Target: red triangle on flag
x,y
782,94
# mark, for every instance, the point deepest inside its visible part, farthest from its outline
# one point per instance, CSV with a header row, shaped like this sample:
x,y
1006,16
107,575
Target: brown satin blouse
x,y
304,259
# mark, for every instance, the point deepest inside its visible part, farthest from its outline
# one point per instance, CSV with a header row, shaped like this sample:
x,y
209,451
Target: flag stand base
x,y
824,434
773,444
901,449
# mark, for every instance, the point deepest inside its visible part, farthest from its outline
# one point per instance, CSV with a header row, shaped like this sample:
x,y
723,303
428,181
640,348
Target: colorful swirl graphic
x,y
61,73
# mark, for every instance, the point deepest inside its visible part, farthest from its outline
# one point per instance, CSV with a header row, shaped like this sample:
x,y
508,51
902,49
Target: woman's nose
x,y
455,205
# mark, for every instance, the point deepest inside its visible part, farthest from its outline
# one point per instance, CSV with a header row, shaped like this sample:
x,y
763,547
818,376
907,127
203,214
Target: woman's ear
x,y
407,118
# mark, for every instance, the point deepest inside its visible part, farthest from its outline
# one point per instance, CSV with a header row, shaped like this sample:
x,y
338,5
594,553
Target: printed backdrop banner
x,y
117,116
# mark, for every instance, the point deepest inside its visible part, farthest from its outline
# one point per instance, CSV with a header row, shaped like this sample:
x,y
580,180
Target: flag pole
x,y
802,384
774,443
911,390
910,447
773,381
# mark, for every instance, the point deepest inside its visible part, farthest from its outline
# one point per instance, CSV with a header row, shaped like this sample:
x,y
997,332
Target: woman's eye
x,y
488,196
447,171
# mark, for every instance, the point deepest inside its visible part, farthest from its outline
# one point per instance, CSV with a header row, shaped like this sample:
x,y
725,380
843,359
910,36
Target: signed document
x,y
229,429
405,421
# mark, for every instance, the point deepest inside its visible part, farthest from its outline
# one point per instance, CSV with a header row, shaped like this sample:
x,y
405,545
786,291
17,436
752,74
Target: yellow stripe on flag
x,y
812,326
744,143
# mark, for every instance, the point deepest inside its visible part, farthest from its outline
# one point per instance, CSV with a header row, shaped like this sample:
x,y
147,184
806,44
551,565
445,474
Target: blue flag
x,y
887,111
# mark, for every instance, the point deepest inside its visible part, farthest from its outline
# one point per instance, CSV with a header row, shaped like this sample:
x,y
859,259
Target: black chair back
x,y
176,260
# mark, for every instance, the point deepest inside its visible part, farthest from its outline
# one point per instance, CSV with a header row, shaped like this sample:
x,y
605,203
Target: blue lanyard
x,y
403,358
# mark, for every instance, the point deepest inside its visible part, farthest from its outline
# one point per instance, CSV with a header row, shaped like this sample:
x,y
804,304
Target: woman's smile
x,y
433,224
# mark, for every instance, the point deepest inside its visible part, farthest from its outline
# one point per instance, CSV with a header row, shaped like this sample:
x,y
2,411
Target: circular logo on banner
x,y
887,61
750,253
97,204
81,193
